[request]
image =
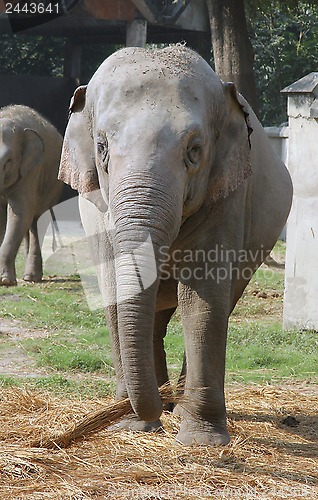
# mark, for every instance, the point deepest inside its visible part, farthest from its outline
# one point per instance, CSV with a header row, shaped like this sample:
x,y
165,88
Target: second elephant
x,y
30,149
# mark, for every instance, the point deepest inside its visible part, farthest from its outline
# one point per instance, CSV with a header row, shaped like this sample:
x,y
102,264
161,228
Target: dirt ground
x,y
14,360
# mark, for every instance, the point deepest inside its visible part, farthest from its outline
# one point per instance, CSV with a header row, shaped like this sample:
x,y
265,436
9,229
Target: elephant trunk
x,y
145,217
2,177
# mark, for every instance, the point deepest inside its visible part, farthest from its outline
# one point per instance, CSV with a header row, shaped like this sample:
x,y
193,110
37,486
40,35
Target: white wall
x,y
301,275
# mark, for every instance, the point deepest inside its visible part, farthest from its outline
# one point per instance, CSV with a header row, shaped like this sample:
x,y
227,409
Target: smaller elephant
x,y
30,149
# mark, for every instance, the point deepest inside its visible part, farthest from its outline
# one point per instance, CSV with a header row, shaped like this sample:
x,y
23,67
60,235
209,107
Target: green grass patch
x,y
62,385
265,352
77,338
76,342
174,346
86,352
9,381
57,304
257,352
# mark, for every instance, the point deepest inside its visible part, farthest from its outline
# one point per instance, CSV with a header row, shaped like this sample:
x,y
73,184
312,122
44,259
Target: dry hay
x,y
267,459
94,422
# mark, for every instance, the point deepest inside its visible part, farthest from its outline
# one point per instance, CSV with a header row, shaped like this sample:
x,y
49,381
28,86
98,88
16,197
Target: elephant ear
x,y
231,164
32,154
77,166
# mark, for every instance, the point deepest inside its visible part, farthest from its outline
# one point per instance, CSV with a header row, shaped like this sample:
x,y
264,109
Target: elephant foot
x,y
32,277
202,432
134,423
178,411
6,280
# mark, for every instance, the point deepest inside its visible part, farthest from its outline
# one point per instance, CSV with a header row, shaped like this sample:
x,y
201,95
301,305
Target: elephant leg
x,y
33,267
204,313
182,378
18,223
26,241
3,220
162,319
180,386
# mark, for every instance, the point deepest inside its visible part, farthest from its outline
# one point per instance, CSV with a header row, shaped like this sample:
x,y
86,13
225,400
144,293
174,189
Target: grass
x,y
258,352
72,343
266,353
56,304
73,387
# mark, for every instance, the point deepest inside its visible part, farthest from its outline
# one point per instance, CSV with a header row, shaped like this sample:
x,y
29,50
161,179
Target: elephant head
x,y
21,150
153,139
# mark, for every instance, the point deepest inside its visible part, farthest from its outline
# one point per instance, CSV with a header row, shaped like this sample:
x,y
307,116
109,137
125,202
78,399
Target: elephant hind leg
x,y
33,266
181,385
162,319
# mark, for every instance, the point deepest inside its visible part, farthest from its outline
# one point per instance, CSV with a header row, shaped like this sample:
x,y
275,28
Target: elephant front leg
x,y
204,315
18,224
3,218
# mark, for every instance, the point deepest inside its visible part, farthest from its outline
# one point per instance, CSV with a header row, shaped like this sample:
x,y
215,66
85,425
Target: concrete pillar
x,y
301,281
136,33
278,139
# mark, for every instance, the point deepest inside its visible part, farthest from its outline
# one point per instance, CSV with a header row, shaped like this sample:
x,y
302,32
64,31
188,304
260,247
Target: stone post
x,y
301,278
136,33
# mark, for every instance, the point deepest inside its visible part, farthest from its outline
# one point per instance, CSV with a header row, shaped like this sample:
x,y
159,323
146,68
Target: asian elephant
x,y
183,199
30,150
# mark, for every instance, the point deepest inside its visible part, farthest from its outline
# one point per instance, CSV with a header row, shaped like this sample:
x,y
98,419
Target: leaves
x,y
284,37
29,55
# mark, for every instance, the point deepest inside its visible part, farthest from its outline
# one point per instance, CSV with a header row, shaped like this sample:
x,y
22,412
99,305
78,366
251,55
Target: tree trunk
x,y
232,49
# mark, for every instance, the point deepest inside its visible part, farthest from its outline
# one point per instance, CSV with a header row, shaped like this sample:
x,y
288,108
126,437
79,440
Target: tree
x,y
285,40
272,43
31,55
232,49
44,56
262,46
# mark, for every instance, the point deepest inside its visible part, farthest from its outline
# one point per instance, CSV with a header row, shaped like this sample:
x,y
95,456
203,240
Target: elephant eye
x,y
193,153
103,154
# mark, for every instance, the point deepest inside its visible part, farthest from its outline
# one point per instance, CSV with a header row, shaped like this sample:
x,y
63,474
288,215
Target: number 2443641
x,y
33,8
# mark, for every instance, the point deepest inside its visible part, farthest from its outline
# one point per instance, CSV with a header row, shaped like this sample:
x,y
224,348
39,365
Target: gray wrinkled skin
x,y
158,146
30,149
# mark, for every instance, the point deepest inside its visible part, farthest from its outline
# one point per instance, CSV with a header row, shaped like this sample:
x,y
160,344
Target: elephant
x,y
30,150
182,199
